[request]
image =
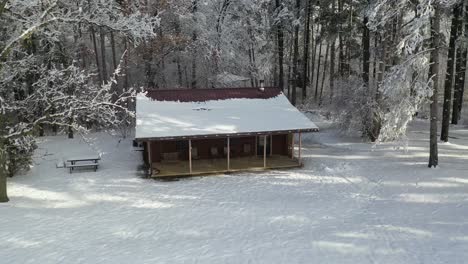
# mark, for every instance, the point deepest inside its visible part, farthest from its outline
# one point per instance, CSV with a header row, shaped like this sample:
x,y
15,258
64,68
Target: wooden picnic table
x,y
83,162
73,160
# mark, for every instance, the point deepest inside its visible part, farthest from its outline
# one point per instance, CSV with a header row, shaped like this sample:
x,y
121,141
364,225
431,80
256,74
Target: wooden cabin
x,y
206,131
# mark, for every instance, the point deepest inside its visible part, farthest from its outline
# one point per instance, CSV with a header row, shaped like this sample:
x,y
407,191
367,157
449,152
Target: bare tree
x,y
434,74
194,52
461,67
296,54
306,48
324,72
102,35
280,44
451,72
332,56
318,65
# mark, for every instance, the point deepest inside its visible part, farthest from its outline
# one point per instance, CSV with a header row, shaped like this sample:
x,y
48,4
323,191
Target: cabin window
x,y
182,145
234,141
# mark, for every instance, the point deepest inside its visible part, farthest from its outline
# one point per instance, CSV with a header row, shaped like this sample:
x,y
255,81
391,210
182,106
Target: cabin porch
x,y
217,166
176,157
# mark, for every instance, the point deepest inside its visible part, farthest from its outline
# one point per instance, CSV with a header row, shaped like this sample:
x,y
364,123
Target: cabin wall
x,y
280,145
237,146
160,147
204,146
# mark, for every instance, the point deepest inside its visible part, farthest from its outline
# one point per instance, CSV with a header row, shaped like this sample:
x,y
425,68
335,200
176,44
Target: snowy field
x,y
351,203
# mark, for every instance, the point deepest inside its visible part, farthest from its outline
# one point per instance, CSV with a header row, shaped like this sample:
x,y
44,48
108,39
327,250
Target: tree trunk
x,y
348,41
149,71
3,171
451,73
318,66
194,52
3,187
96,54
459,85
179,66
254,65
382,62
162,74
373,126
127,55
290,67
332,59
434,72
296,54
463,77
465,83
219,22
186,79
70,132
365,52
280,39
314,56
115,86
82,48
114,53
375,61
332,69
323,75
341,55
103,54
252,60
194,71
179,72
306,49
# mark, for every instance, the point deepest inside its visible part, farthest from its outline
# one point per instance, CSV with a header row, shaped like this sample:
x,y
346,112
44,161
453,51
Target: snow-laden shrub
x,y
19,153
354,108
403,92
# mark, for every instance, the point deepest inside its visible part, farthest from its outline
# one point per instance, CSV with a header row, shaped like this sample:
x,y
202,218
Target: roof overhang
x,y
224,135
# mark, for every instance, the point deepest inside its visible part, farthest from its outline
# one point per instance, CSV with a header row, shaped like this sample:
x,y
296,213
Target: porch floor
x,y
216,166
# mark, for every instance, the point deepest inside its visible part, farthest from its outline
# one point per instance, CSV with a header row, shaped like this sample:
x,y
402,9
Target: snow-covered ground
x,y
351,203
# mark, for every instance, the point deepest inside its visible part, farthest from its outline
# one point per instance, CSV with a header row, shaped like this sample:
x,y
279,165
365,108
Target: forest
x,y
71,66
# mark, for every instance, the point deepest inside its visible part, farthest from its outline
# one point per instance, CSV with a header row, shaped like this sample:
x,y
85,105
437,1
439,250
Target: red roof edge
x,y
209,94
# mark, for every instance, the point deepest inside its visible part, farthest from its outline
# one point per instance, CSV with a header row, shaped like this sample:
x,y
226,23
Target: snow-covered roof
x,y
234,111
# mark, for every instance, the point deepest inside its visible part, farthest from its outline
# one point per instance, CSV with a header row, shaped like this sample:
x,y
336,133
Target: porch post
x,y
228,153
150,161
300,146
264,150
190,155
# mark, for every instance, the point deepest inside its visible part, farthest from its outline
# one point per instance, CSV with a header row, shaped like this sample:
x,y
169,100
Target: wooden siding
x,y
280,145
